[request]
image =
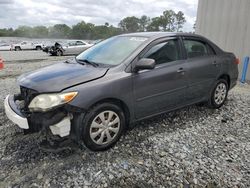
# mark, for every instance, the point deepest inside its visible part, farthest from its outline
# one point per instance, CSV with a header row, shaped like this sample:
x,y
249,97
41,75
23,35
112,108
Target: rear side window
x,y
164,52
196,48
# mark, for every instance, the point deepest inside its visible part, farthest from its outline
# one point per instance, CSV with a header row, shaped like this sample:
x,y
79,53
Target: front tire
x,y
219,94
59,52
101,127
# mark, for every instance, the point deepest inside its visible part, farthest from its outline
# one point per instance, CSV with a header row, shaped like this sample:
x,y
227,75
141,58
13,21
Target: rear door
x,y
164,87
203,66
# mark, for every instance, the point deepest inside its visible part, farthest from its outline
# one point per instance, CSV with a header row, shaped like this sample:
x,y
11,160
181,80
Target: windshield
x,y
112,51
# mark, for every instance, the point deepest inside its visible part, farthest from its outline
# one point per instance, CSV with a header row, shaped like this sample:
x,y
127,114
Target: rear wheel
x,y
38,48
101,127
219,94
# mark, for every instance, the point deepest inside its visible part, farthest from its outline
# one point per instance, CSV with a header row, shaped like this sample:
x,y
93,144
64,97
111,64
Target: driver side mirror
x,y
144,64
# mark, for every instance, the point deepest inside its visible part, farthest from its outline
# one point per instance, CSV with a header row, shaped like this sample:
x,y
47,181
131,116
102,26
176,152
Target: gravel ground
x,y
191,147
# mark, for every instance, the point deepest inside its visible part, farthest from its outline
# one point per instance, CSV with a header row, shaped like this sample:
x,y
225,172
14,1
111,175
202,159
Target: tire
x,y
18,48
219,93
59,52
93,133
38,48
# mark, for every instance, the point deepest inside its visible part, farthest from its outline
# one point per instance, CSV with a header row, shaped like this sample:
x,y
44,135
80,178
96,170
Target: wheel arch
x,y
227,78
117,102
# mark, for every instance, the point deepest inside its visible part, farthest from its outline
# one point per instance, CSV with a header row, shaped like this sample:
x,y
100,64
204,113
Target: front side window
x,y
195,48
164,52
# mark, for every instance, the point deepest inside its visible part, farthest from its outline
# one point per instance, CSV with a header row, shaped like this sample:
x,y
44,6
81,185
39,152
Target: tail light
x,y
237,61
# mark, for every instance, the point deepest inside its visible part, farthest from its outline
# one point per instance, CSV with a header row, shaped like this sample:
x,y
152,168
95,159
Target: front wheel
x,y
59,52
219,94
101,127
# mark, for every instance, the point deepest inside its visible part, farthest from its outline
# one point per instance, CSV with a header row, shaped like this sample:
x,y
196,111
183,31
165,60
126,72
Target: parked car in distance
x,y
25,45
5,47
94,97
71,47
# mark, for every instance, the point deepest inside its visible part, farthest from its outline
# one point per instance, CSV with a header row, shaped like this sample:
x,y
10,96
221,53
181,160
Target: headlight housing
x,y
45,102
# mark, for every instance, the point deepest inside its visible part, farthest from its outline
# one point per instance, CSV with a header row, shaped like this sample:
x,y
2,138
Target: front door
x,y
163,88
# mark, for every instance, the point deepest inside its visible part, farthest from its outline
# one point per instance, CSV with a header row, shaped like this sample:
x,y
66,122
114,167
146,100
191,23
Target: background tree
x,y
144,22
130,24
6,32
59,31
194,26
23,31
168,21
179,20
154,25
83,30
40,31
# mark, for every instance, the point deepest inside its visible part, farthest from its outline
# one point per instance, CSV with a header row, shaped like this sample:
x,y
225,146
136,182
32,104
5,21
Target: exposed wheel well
x,y
119,103
227,78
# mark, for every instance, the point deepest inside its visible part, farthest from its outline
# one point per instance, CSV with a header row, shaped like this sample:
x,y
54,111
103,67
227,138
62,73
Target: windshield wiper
x,y
85,61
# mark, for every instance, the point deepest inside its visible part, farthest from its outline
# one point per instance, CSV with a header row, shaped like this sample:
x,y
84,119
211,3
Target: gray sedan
x,y
119,81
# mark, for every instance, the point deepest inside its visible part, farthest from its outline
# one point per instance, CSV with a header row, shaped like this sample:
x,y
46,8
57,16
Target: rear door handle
x,y
181,70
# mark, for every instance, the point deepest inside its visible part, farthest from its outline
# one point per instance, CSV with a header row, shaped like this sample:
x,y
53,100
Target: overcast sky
x,y
49,12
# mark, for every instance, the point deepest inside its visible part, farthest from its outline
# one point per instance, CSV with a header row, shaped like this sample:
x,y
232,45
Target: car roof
x,y
154,35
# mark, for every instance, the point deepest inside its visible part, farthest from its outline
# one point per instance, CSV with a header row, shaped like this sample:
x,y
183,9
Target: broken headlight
x,y
45,102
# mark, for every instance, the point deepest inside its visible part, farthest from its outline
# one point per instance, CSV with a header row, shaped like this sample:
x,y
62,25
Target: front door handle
x,y
215,63
181,70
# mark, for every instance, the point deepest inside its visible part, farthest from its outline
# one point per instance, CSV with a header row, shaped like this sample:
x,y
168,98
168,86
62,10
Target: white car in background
x,y
25,45
70,47
5,47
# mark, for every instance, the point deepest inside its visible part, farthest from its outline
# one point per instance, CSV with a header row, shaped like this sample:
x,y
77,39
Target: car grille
x,y
27,95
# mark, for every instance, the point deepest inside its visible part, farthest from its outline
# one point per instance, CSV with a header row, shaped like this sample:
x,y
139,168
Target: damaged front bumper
x,y
13,113
59,123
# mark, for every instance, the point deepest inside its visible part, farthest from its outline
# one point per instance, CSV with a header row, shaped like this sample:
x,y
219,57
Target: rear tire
x,y
219,93
38,48
101,127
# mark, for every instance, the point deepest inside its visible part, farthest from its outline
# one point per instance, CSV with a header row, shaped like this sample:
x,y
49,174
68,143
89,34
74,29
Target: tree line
x,y
168,21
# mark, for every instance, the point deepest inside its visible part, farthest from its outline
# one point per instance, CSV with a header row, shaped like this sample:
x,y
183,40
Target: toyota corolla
x,y
94,97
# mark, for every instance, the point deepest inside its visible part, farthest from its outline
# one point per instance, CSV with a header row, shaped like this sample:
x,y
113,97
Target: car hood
x,y
60,76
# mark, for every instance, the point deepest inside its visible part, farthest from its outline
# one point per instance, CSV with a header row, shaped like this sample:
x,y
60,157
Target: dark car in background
x,y
119,81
